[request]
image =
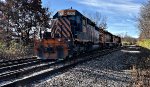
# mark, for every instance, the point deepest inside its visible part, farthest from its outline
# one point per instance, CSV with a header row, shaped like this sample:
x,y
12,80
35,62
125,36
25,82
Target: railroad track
x,y
18,61
22,64
26,75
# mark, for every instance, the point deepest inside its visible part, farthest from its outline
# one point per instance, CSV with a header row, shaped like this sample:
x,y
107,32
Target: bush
x,y
13,50
125,43
144,43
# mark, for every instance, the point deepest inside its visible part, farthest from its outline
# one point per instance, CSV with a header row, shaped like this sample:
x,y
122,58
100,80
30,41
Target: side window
x,y
84,22
72,18
78,19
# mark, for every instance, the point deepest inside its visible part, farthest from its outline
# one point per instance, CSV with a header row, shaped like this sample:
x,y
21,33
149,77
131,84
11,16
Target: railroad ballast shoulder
x,y
72,33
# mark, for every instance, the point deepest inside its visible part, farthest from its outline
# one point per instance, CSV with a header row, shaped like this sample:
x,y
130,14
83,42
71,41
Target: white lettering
x,y
61,13
70,13
66,13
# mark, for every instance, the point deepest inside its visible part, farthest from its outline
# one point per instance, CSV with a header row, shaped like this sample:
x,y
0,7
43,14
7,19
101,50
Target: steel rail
x,y
62,68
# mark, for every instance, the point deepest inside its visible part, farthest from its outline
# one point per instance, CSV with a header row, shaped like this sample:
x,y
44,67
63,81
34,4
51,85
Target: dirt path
x,y
113,70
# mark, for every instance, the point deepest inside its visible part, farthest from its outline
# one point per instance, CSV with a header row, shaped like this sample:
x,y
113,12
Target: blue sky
x,y
121,14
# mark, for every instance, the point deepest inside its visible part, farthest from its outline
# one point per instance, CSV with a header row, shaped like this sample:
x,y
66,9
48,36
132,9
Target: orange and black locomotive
x,y
72,33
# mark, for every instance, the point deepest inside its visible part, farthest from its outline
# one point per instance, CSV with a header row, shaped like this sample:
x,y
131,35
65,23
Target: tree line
x,y
144,21
27,18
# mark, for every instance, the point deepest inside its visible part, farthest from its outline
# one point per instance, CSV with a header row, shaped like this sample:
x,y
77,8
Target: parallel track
x,y
13,62
28,75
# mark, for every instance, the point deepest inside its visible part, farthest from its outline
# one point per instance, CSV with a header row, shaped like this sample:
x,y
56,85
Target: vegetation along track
x,y
35,73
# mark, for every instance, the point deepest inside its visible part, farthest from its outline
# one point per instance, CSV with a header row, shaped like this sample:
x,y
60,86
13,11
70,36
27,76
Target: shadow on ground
x,y
128,67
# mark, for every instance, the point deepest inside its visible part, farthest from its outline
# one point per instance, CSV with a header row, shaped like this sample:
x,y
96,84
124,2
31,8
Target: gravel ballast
x,y
112,70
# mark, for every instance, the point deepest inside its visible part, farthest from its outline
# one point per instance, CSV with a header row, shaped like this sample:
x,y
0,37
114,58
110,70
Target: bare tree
x,y
97,17
127,38
144,21
100,21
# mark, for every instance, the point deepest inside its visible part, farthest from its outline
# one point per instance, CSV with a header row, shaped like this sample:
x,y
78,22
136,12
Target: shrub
x,y
125,43
144,43
13,50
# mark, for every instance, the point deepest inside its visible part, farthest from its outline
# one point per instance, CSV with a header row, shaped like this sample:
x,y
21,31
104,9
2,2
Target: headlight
x,y
59,39
68,40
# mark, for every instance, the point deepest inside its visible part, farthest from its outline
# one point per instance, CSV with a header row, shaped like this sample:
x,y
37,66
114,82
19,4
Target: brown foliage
x,y
144,21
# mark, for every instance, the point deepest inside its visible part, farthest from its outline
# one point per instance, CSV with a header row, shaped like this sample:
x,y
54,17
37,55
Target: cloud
x,y
113,5
121,14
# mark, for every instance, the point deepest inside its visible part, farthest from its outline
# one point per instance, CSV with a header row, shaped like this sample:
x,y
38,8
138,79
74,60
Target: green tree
x,y
25,17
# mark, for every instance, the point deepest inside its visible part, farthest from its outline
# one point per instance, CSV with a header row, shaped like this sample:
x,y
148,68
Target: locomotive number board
x,y
67,12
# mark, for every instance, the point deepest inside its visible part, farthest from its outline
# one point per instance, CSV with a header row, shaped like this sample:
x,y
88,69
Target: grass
x,y
12,50
143,66
144,43
126,43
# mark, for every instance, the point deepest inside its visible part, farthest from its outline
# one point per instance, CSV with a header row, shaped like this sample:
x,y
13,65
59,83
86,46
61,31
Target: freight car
x,y
116,41
72,33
